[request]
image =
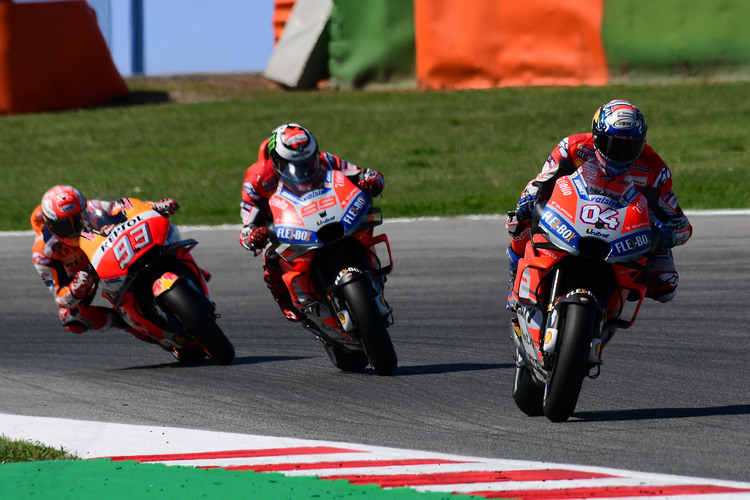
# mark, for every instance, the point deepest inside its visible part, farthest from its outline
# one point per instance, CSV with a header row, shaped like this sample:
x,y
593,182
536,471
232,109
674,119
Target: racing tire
x,y
371,327
189,357
199,322
527,394
571,366
345,359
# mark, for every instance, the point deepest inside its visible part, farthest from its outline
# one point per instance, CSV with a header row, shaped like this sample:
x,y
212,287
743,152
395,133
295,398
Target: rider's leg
x,y
83,318
515,252
272,275
513,259
662,281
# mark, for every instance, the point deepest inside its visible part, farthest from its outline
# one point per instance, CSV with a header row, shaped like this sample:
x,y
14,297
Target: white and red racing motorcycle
x,y
324,236
582,276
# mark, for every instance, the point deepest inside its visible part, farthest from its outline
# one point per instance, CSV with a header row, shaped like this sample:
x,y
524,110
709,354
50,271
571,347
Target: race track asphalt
x,y
672,397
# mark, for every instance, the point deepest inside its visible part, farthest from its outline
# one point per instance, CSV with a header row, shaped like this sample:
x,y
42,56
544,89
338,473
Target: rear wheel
x,y
370,326
345,359
199,321
527,394
571,366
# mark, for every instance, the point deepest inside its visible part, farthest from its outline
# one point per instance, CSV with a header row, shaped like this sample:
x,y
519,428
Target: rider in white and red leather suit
x,y
638,165
61,263
289,146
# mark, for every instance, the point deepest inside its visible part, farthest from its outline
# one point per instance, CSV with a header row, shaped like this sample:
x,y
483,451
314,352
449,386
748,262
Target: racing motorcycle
x,y
332,268
146,271
582,277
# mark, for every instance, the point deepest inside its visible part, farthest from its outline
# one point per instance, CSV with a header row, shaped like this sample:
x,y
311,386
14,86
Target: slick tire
x,y
527,395
345,359
370,326
571,366
199,322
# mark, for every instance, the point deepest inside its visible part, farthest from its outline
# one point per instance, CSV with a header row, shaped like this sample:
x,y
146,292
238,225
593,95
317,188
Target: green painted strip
x,y
670,32
102,478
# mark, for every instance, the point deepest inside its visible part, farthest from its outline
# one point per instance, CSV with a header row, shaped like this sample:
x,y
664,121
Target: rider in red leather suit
x,y
617,124
288,144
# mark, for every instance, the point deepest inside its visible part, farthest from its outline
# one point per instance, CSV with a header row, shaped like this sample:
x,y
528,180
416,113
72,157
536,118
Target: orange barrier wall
x,y
501,43
53,57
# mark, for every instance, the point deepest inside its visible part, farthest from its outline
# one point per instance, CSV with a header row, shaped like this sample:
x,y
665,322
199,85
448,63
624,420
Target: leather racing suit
x,y
261,181
649,174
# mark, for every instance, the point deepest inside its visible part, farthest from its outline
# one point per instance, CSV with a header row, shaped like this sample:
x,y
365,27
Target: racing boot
x,y
272,276
83,318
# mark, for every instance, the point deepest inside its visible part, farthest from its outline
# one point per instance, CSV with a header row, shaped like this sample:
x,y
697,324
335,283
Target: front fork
x,y
550,325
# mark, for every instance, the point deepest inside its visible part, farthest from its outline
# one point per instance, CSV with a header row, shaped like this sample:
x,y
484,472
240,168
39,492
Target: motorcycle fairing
x,y
573,213
297,220
120,251
117,249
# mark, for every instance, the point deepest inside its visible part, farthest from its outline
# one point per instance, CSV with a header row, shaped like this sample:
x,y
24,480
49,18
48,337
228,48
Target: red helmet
x,y
62,209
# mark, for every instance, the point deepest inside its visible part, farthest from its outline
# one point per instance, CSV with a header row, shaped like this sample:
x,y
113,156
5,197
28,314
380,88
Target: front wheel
x,y
370,326
184,302
571,366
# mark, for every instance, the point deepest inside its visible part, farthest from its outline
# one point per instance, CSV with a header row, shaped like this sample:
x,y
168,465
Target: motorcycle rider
x,y
58,222
612,157
292,152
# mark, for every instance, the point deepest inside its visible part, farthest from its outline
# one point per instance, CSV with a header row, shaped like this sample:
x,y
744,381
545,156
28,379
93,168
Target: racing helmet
x,y
619,131
62,210
295,156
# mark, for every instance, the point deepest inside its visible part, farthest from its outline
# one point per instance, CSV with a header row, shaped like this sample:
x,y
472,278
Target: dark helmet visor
x,y
70,227
303,175
620,149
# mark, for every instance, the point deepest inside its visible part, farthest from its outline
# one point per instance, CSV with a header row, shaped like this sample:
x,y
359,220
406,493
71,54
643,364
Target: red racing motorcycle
x,y
146,271
333,270
582,277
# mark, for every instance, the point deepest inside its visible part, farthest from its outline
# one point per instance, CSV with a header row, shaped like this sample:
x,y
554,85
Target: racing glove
x,y
372,181
166,206
667,235
81,284
525,206
253,238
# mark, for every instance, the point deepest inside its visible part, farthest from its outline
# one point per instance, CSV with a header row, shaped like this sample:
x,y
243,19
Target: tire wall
x,y
455,44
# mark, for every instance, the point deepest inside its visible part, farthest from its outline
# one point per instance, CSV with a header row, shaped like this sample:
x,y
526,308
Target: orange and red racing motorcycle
x,y
146,271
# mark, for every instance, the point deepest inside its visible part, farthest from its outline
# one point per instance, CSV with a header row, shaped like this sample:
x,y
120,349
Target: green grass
x,y
26,451
443,153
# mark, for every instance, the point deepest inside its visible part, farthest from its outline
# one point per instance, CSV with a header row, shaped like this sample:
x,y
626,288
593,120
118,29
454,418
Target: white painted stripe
x,y
545,485
97,439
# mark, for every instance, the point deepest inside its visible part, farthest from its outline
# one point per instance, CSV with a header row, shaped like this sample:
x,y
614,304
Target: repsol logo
x,y
122,228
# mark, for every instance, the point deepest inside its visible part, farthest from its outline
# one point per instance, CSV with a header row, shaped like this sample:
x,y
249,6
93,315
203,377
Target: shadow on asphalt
x,y
449,368
660,413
